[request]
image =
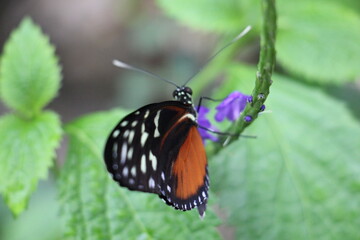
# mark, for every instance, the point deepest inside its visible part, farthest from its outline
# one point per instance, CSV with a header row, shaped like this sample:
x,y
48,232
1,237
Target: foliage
x,y
29,72
216,16
295,181
316,39
29,78
299,179
325,36
39,221
27,151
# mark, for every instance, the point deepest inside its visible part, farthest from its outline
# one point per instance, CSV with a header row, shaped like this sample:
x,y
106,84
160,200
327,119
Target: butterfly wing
x,y
132,149
158,149
186,181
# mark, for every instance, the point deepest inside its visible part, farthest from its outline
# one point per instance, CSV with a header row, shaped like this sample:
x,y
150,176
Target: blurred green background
x,y
300,178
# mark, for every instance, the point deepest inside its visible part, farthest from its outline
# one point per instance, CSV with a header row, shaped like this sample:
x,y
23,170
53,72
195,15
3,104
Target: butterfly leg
x,y
207,98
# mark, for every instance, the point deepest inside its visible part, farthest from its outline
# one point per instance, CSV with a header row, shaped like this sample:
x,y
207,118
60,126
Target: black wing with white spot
x,y
133,148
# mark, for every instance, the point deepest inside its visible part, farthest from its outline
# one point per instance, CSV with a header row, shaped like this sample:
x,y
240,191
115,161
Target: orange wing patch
x,y
190,165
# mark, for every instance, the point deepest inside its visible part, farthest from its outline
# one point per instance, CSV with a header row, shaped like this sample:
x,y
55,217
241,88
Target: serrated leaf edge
x,y
86,140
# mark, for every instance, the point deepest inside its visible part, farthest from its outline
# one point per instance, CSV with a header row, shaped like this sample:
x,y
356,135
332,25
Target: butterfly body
x,y
158,149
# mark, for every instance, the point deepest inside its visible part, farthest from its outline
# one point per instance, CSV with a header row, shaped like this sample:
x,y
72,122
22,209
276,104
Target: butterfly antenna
x,y
243,33
121,64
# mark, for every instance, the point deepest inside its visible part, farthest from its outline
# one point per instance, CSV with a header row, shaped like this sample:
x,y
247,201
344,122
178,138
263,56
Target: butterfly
x,y
158,149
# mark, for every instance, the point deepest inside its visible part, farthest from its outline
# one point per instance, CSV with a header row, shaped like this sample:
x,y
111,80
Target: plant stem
x,y
263,76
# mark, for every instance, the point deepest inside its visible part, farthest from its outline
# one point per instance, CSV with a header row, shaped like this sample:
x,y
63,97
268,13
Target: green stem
x,y
263,76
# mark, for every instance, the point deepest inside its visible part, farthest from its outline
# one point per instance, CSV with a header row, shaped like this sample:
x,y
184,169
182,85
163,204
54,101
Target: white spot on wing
x,y
123,123
137,112
146,114
130,153
188,115
116,133
168,188
143,128
163,176
131,136
156,122
151,183
126,133
115,150
143,164
133,124
153,160
133,171
144,136
125,172
123,153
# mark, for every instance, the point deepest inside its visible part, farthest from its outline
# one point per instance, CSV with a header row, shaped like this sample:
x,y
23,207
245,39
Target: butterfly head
x,y
184,95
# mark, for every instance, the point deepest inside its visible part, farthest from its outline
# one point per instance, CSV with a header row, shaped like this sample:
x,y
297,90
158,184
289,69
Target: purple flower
x,y
232,106
262,108
247,118
204,122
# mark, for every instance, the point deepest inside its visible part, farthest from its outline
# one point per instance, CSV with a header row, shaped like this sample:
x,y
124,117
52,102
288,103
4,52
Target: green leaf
x,y
300,179
27,149
29,70
39,222
218,16
95,207
353,4
319,40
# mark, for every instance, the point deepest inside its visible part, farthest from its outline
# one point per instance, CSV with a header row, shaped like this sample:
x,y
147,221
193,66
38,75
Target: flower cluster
x,y
204,122
230,108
